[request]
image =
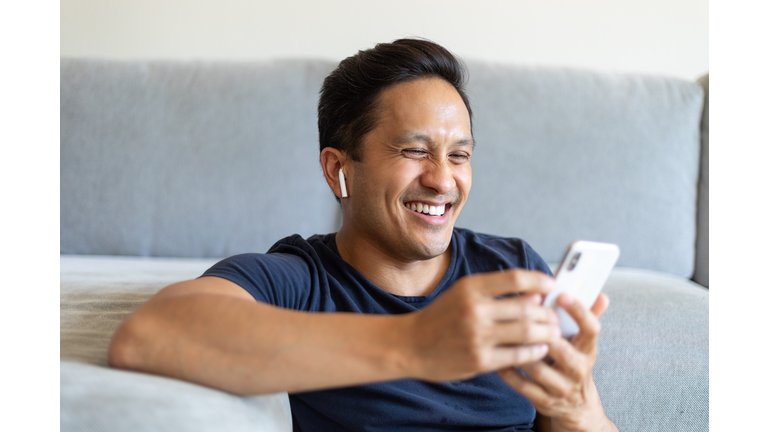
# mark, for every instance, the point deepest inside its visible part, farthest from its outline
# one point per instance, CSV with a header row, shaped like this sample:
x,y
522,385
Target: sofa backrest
x,y
210,159
567,154
190,159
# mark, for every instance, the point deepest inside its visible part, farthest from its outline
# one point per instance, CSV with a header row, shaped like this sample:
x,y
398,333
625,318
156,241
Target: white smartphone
x,y
582,273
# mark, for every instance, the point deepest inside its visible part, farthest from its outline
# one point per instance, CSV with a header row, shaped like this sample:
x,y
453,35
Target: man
x,y
424,326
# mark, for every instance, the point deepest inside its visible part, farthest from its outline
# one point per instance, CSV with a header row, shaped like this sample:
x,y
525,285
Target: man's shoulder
x,y
469,236
297,241
512,252
288,254
285,276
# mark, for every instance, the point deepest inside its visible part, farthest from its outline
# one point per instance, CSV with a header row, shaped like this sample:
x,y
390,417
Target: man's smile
x,y
428,209
436,214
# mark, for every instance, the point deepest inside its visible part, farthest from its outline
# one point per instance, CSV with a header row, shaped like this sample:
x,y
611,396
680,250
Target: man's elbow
x,y
125,350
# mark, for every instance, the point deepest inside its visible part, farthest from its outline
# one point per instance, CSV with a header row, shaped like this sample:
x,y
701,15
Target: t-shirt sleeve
x,y
278,279
534,261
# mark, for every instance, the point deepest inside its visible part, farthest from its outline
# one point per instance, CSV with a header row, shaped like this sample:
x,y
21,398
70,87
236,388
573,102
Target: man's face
x,y
416,158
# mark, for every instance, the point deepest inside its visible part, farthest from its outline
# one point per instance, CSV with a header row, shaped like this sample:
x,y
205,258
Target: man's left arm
x,y
563,392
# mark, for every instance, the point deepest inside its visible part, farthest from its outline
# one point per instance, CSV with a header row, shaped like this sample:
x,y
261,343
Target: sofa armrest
x,y
95,398
701,272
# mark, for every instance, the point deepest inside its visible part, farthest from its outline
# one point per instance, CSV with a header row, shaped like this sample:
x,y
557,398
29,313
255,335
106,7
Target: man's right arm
x,y
212,332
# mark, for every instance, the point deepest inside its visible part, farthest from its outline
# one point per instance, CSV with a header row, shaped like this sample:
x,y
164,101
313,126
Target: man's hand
x,y
476,326
564,390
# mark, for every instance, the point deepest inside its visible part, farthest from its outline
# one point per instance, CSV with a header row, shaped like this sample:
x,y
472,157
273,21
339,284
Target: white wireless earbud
x,y
343,183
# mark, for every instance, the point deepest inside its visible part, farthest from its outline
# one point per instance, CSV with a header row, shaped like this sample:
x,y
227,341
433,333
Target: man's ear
x,y
332,160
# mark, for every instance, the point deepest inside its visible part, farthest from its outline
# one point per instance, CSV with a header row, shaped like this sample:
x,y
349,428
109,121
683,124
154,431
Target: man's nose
x,y
438,176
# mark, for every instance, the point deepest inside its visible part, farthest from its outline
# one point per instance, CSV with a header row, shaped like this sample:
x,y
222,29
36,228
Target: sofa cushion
x,y
214,158
97,293
95,398
652,370
190,159
566,154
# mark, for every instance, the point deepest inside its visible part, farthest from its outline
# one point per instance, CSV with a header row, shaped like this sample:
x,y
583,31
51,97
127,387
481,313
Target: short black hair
x,y
348,107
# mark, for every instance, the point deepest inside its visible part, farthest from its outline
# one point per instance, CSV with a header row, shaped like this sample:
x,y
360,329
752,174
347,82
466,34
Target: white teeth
x,y
427,209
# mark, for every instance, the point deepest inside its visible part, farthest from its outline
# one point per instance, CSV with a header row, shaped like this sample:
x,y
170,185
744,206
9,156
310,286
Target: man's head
x,y
349,104
403,137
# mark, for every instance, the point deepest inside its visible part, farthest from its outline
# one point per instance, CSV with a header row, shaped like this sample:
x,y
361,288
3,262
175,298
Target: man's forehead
x,y
420,102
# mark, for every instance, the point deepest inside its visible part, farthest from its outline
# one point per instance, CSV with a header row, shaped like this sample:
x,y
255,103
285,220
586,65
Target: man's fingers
x,y
569,362
532,391
514,281
589,326
552,381
502,357
526,307
519,332
601,304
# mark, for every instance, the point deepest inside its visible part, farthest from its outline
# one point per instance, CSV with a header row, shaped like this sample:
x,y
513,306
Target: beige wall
x,y
652,36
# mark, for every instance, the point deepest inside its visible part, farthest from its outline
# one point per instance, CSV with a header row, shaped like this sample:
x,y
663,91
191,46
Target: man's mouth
x,y
427,209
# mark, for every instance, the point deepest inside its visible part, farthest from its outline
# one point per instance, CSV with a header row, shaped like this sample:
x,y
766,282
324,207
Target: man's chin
x,y
431,247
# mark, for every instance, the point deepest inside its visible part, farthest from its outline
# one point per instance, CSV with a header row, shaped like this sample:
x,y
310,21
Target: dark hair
x,y
348,107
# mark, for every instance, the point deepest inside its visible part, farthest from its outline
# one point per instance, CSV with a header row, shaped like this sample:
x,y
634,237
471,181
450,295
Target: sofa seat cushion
x,y
653,363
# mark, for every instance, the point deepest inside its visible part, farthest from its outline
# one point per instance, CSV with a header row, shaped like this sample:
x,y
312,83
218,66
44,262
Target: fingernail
x,y
541,349
566,299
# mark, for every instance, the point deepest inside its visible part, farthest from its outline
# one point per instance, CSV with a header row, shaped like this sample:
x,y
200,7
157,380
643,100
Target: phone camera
x,y
574,260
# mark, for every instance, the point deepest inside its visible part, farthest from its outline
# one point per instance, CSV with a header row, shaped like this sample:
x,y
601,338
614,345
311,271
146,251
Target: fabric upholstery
x,y
701,274
97,293
652,370
565,154
187,159
95,398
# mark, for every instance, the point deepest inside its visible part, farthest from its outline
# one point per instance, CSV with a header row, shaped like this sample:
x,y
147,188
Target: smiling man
x,y
399,321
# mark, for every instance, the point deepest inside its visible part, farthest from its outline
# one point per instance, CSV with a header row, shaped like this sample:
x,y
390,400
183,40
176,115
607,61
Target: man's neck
x,y
405,278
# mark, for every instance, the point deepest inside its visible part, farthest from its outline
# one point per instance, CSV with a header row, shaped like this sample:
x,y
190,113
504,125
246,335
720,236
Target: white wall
x,y
652,36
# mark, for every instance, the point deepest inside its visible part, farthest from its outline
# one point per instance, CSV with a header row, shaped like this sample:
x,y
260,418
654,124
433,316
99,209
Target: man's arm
x,y
212,332
563,391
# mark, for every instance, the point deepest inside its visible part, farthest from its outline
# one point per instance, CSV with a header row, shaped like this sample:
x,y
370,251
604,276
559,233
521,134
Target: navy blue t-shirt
x,y
309,275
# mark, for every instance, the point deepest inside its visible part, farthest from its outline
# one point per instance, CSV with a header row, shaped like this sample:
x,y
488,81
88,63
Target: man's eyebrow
x,y
423,137
466,142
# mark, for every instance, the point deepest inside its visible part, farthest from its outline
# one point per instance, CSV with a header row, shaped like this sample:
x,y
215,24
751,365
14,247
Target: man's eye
x,y
415,152
460,157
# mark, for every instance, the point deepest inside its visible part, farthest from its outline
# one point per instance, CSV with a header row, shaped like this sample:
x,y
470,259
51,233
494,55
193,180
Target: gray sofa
x,y
167,167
